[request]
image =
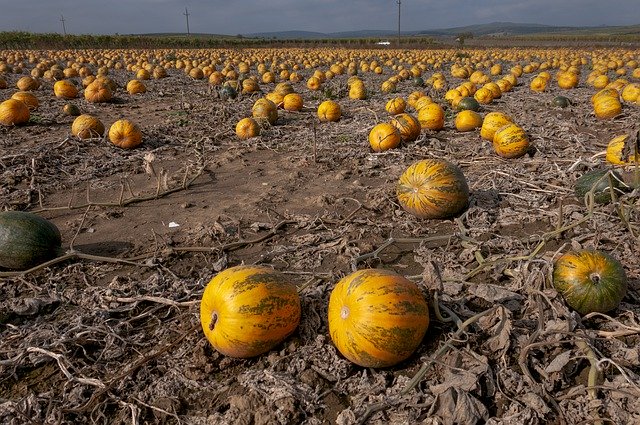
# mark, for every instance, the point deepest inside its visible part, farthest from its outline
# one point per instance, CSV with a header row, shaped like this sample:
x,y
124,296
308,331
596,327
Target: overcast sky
x,y
243,17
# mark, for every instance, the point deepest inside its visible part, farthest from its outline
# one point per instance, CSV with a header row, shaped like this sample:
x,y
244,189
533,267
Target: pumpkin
x,y
284,88
601,183
250,86
433,188
384,136
483,95
357,91
3,83
607,107
468,120
87,126
623,150
314,83
421,102
28,83
136,87
377,318
196,73
395,106
264,110
468,103
247,128
407,125
510,141
71,110
631,92
246,311
125,134
538,84
14,112
27,98
27,240
65,89
560,102
292,102
227,91
431,117
590,280
98,92
276,98
329,110
492,122
568,80
388,87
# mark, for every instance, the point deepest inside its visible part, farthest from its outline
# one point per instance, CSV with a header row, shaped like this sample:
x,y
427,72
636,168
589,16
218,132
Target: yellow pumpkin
x,y
264,110
607,107
421,102
510,141
65,89
483,95
431,117
314,83
247,128
407,125
276,98
293,102
136,87
376,317
329,110
98,92
433,188
468,120
284,88
538,84
395,106
125,134
493,121
631,92
622,150
568,80
87,126
246,311
250,85
384,136
28,98
13,112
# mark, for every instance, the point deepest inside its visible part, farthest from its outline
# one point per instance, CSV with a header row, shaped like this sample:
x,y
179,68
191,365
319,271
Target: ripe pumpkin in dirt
x,y
28,98
246,311
65,89
247,128
13,112
292,102
510,141
561,102
601,183
98,92
433,188
407,125
468,120
590,280
395,106
624,150
606,107
431,117
492,122
384,136
377,318
468,103
71,110
125,134
264,110
329,110
27,240
3,83
136,87
87,126
28,83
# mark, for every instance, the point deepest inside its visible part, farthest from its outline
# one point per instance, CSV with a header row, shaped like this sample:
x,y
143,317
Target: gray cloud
x,y
242,17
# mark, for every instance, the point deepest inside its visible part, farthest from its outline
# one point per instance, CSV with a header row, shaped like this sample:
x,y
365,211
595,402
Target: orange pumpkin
x,y
510,141
136,87
329,110
98,92
314,83
250,86
384,136
468,120
407,125
292,102
28,98
431,117
246,311
538,84
125,134
377,318
247,128
433,188
13,112
492,122
87,126
65,89
607,107
28,83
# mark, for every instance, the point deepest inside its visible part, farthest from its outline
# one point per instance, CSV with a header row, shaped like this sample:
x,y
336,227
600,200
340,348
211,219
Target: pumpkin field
x,y
442,236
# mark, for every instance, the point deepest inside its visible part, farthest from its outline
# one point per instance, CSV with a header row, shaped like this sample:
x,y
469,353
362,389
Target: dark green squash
x,y
27,240
600,183
561,102
468,103
418,82
228,92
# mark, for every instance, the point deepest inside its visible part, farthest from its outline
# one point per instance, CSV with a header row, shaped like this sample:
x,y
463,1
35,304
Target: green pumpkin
x,y
601,185
228,92
468,103
27,240
418,81
560,102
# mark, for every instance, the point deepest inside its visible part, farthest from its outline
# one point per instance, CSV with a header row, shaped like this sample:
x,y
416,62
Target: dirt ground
x,y
94,341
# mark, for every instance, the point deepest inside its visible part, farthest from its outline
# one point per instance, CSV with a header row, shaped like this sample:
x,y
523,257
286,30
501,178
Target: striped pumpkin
x,y
492,122
433,188
377,318
384,136
621,150
407,125
510,141
246,311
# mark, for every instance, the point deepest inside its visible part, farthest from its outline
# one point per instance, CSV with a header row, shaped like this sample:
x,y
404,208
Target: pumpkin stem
x,y
214,320
344,312
595,278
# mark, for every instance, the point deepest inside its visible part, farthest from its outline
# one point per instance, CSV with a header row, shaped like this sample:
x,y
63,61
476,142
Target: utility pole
x,y
64,29
398,1
186,13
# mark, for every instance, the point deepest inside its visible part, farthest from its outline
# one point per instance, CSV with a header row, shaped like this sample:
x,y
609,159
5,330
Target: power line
x,y
186,13
64,29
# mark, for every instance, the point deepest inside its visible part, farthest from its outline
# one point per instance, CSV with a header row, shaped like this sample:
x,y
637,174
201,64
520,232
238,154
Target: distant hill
x,y
491,29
